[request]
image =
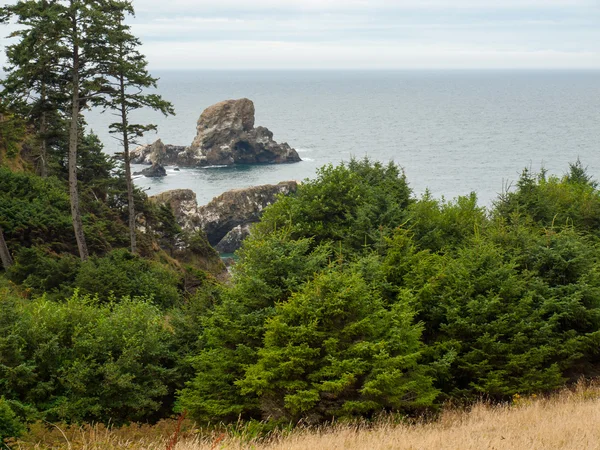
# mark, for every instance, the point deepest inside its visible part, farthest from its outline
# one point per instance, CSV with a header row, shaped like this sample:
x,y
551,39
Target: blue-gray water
x,y
453,132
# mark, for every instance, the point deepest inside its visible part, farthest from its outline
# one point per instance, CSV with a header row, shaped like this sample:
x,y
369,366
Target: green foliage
x,y
444,225
34,211
512,319
334,351
77,360
10,425
12,131
271,267
354,203
43,272
121,274
554,202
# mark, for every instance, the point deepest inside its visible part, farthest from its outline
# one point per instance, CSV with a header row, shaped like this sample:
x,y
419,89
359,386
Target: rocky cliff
x,y
226,219
225,135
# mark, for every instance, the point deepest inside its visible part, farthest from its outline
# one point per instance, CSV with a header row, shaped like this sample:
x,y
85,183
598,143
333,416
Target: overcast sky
x,y
368,34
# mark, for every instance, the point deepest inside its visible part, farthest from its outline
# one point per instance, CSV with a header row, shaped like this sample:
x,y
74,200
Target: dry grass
x,y
570,420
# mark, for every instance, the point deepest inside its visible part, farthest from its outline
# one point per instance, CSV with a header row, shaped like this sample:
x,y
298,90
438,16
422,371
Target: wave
x,y
304,150
218,166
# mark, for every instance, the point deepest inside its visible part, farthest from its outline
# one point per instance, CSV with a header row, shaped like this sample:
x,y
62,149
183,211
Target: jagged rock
x,y
235,209
158,153
225,136
154,171
184,205
223,122
233,240
239,207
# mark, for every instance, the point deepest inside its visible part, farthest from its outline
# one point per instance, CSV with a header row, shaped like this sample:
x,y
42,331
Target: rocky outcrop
x,y
158,153
184,206
233,240
239,207
226,219
154,171
225,135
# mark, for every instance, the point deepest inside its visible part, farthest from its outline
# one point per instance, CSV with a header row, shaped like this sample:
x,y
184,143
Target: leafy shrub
x,y
10,425
76,360
334,350
354,203
122,274
572,200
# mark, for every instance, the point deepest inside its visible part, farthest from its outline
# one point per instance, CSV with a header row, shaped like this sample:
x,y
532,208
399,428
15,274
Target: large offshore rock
x,y
223,122
226,219
225,135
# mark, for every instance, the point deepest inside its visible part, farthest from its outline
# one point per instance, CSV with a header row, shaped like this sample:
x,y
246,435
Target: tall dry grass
x,y
569,420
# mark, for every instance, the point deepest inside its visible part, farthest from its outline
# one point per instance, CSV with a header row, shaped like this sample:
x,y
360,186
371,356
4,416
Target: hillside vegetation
x,y
352,298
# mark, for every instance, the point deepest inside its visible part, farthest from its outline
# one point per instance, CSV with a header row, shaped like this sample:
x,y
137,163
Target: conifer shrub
x,y
122,274
334,351
353,204
10,425
78,360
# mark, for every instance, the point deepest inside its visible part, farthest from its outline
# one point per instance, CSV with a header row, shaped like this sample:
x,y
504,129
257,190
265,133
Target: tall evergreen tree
x,y
83,32
33,85
130,81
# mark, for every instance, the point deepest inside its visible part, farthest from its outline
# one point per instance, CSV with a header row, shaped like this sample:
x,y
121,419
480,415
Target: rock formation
x,y
225,136
238,207
233,240
158,153
155,170
226,219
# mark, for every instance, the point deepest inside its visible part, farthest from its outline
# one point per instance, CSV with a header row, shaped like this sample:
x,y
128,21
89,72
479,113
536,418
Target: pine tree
x,y
130,80
33,84
83,31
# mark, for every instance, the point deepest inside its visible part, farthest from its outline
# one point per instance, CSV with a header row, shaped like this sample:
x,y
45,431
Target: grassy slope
x,y
569,420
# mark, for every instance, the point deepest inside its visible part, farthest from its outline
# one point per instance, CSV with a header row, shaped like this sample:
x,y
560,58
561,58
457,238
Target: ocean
x,y
453,132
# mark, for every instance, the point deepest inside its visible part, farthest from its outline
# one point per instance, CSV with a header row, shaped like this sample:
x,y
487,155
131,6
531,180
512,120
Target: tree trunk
x,y
43,136
128,180
4,253
73,140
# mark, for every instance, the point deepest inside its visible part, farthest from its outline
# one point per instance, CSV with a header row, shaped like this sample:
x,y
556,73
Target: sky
x,y
367,34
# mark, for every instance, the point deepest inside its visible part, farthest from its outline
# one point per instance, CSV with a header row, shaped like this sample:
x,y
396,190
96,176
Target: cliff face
x,y
239,207
226,219
225,135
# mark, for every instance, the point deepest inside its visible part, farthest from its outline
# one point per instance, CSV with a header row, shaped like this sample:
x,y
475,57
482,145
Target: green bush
x,y
79,361
122,274
509,319
270,268
334,351
10,425
554,202
355,204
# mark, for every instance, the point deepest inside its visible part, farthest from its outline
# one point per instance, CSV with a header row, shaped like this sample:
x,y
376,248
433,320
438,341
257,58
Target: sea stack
x,y
225,135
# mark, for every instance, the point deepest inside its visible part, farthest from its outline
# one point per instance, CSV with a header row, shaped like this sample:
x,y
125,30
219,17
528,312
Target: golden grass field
x,y
569,420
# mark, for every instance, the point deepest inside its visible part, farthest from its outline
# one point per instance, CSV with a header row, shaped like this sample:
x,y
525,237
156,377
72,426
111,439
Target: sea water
x,y
453,132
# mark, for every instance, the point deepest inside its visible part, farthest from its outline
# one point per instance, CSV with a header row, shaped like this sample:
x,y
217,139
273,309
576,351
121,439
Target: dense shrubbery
x,y
78,360
350,298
